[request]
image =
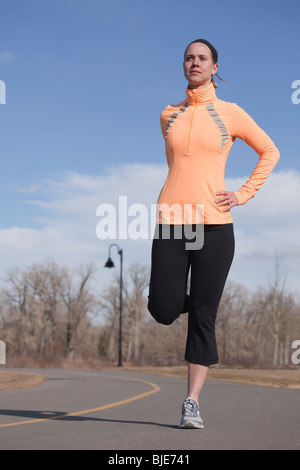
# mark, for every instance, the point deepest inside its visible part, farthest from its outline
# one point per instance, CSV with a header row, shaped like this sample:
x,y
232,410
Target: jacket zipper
x,y
188,150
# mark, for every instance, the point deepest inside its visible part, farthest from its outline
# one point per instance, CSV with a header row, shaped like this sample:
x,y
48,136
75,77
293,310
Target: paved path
x,y
118,410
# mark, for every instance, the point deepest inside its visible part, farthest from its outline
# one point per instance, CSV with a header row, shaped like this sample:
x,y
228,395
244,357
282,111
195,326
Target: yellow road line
x,y
155,389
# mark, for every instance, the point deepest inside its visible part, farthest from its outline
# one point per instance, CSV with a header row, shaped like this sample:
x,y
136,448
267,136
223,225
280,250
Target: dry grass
x,y
280,378
14,380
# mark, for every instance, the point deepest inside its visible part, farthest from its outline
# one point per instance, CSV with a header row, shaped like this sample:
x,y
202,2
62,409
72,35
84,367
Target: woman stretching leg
x,y
199,133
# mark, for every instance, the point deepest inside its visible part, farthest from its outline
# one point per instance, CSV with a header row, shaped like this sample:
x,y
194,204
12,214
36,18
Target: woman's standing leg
x,y
209,270
196,378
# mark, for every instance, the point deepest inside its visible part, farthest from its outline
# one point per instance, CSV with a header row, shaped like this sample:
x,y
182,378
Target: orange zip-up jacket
x,y
199,133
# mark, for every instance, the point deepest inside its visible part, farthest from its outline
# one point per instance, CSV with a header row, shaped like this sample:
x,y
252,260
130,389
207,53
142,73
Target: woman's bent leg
x,y
169,272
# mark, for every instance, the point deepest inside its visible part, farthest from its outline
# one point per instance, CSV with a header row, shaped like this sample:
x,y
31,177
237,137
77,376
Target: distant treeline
x,y
47,315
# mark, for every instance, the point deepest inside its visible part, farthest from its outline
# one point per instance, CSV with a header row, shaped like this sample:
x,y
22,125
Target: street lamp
x,y
110,264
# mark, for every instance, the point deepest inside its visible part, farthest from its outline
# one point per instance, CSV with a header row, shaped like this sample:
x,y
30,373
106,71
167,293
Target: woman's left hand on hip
x,y
228,199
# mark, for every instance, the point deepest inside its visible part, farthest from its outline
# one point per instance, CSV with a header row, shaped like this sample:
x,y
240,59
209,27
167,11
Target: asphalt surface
x,y
118,410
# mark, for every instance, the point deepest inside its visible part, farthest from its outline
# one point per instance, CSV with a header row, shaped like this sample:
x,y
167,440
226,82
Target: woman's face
x,y
198,65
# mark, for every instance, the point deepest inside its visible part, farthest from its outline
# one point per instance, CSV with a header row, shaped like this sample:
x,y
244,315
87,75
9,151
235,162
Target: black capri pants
x,y
209,266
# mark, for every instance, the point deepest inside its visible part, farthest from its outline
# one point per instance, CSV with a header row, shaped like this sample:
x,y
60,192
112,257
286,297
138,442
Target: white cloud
x,y
267,224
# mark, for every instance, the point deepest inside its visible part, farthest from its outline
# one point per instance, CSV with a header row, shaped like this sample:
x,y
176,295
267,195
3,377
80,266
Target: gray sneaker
x,y
190,415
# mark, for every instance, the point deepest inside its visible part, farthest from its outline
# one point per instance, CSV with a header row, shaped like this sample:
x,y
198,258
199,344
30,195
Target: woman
x,y
199,133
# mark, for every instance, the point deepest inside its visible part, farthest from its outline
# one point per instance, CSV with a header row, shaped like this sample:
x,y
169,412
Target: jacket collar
x,y
201,95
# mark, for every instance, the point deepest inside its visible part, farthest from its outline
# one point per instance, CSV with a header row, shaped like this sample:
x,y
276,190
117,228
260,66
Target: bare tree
x,y
109,306
78,301
230,321
136,306
42,302
135,283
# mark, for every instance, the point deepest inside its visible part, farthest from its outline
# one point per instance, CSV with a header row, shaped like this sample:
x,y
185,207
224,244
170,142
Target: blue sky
x,y
86,81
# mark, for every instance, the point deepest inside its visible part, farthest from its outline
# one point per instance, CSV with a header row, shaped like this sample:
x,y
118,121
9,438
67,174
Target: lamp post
x,y
110,264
